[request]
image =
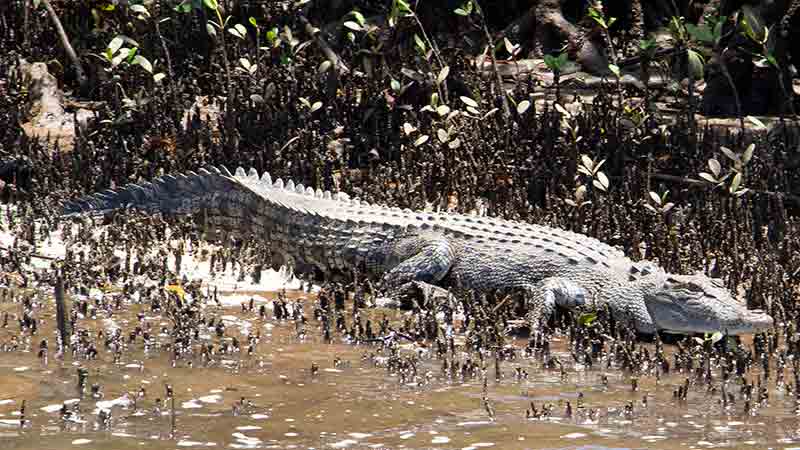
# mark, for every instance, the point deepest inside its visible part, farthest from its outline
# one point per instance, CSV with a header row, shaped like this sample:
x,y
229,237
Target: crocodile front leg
x,y
543,297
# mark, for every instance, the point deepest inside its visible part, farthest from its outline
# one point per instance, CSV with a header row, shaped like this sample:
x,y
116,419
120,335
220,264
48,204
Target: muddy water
x,y
354,404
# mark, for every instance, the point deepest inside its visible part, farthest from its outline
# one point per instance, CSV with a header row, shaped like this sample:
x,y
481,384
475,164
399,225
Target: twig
x,y
323,45
61,314
435,49
171,80
498,79
82,81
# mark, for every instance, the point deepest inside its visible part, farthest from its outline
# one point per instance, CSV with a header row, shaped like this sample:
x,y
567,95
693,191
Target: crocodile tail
x,y
172,194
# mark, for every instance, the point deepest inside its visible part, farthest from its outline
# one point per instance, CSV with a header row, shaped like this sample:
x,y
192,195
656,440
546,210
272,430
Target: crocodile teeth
x,y
300,188
310,191
266,178
240,172
290,185
279,184
253,173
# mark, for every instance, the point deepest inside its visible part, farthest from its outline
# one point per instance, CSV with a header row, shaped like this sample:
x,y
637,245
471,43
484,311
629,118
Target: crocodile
x,y
403,249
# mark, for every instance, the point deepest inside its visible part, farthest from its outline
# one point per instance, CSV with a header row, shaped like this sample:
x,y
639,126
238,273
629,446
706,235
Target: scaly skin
x,y
402,248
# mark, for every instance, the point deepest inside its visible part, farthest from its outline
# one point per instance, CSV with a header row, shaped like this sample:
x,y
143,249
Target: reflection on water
x,y
304,393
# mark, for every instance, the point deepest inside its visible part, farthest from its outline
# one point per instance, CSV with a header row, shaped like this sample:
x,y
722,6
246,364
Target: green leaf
x,y
241,29
562,110
353,26
419,43
461,12
599,185
252,21
236,32
771,60
716,337
131,54
469,102
143,62
490,113
272,35
751,22
715,167
755,121
729,153
442,135
316,106
588,163
700,33
210,29
696,64
121,55
587,319
140,9
614,69
115,45
108,7
324,67
395,85
523,106
403,6
656,198
443,74
421,140
647,44
211,4
359,17
748,154
159,76
708,177
184,7
737,180
510,48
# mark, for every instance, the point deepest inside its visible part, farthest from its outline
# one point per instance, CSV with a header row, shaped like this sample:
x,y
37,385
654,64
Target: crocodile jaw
x,y
699,304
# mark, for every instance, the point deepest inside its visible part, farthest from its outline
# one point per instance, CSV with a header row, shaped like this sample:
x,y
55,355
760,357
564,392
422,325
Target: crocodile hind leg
x,y
543,297
420,273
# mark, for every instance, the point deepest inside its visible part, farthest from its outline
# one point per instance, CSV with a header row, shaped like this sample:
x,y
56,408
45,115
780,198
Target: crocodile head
x,y
699,304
